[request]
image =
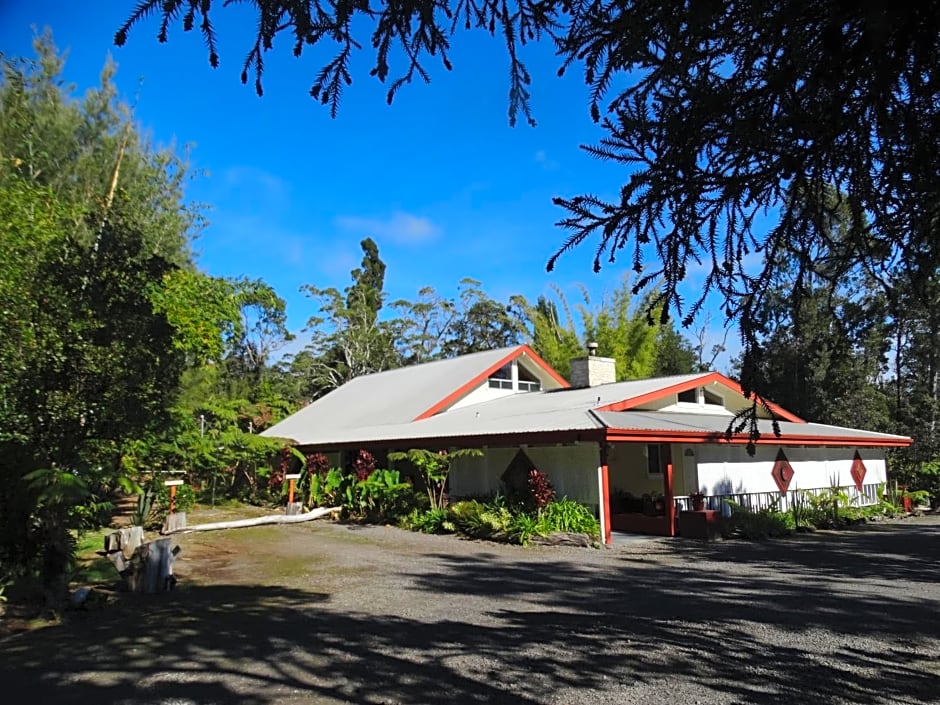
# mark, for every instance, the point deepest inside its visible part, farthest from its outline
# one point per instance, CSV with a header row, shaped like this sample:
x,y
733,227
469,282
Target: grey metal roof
x,y
382,407
385,398
670,421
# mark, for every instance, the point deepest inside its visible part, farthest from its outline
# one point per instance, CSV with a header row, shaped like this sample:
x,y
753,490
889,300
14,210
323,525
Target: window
x,y
688,396
713,399
654,463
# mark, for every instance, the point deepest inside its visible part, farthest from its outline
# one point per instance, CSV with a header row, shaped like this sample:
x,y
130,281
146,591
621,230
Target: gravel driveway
x,y
326,613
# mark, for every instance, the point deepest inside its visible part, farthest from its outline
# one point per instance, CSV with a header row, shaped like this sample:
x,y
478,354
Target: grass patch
x,y
90,567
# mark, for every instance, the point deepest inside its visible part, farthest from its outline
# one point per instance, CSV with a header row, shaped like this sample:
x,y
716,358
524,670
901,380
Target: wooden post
x,y
292,506
669,493
173,484
174,520
293,477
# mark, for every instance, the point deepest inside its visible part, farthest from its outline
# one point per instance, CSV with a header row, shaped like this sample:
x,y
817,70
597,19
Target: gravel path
x,y
323,613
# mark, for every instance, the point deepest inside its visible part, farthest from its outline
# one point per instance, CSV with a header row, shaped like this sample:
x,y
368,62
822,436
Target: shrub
x,y
326,489
380,496
759,525
541,492
185,500
429,521
522,527
363,465
566,515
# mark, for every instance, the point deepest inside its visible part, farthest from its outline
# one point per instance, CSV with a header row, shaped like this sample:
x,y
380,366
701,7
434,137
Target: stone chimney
x,y
592,370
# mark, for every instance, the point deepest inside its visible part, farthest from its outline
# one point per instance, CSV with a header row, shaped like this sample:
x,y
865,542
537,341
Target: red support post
x,y
669,494
172,499
290,492
605,494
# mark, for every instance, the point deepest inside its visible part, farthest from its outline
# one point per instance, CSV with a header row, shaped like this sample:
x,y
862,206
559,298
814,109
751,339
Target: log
x,y
258,521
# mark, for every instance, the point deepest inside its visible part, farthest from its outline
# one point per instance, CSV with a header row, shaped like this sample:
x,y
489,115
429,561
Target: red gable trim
x,y
787,439
707,378
476,381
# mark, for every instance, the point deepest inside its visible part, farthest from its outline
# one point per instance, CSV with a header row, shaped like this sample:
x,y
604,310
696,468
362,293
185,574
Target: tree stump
x,y
174,522
150,569
145,567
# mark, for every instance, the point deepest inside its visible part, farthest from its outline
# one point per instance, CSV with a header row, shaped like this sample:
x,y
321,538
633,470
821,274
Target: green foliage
x,y
640,346
326,489
348,338
92,221
429,521
522,527
203,311
381,496
756,526
90,566
143,514
497,520
185,499
434,468
568,516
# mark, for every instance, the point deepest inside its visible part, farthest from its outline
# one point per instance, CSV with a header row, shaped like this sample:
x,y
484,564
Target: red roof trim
x,y
471,384
706,378
787,439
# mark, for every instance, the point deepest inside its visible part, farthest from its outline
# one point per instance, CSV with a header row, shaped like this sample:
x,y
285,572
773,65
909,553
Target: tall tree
x,y
87,152
824,335
618,324
95,304
480,323
717,109
87,366
348,338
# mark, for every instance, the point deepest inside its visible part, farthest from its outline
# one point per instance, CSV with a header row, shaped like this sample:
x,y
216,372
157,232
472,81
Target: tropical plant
x,y
429,521
380,496
435,468
143,511
568,516
326,489
755,525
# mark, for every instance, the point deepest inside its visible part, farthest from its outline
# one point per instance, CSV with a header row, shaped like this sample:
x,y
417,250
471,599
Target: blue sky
x,y
441,182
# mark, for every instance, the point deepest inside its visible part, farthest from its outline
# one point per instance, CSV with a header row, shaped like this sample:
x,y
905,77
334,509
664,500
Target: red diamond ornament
x,y
782,472
858,471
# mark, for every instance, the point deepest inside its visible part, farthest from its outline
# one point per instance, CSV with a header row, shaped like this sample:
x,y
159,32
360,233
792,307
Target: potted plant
x,y
697,500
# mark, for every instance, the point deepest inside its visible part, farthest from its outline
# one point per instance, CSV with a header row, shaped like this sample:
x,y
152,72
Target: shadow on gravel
x,y
724,615
717,619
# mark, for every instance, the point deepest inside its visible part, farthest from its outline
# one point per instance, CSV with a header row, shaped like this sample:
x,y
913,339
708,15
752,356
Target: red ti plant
x,y
363,465
317,464
540,488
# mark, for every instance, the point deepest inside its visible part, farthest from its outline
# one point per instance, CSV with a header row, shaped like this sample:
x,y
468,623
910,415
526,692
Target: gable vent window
x,y
524,380
701,397
712,398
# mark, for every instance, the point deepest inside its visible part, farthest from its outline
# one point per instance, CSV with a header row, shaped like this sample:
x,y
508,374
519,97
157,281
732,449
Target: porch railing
x,y
755,501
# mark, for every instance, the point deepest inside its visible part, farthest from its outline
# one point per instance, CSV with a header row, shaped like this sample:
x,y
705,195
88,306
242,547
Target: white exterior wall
x,y
482,393
572,470
725,469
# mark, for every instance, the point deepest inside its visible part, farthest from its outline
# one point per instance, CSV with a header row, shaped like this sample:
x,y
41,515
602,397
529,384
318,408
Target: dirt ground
x,y
326,613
